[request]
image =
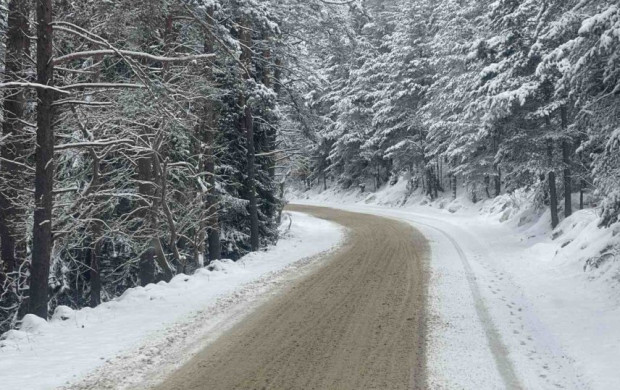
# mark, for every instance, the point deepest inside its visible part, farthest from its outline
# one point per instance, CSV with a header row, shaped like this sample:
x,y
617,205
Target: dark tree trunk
x,y
454,185
429,183
147,258
95,276
253,205
149,174
271,131
160,256
248,126
96,232
566,160
553,202
498,182
158,190
568,188
168,39
438,171
213,225
208,128
487,183
97,227
553,196
277,75
474,193
147,267
44,171
582,186
14,102
215,246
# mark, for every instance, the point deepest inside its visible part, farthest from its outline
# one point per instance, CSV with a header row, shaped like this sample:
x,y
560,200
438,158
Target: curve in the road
x,y
357,322
503,363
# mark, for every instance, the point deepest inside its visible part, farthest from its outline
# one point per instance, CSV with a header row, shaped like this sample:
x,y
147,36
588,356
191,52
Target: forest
x,y
145,138
485,96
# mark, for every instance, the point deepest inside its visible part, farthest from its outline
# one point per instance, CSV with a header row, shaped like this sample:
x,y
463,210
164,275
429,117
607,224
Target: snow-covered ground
x,y
154,329
513,304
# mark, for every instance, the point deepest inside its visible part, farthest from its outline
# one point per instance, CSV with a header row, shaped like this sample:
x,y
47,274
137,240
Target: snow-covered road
x,y
492,324
355,323
505,312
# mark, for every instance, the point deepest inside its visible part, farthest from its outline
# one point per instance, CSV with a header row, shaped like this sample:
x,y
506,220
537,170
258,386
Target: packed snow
x,y
152,330
514,303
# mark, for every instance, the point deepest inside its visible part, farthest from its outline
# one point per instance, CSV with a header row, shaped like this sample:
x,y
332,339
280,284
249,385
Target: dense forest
x,y
138,142
144,138
480,96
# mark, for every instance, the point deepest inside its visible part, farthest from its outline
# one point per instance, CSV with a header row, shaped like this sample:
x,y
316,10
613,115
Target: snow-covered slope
x,y
578,242
153,328
513,303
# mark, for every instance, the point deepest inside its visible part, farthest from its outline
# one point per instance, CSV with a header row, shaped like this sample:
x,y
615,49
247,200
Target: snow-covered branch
x,y
131,54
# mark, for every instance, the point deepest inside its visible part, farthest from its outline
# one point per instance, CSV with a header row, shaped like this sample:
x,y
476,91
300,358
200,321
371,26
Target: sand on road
x,y
356,322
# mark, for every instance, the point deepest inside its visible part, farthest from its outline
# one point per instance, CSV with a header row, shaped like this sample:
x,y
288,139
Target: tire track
x,y
499,350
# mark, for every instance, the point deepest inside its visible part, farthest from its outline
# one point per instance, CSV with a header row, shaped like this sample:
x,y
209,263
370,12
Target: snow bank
x,y
46,355
577,240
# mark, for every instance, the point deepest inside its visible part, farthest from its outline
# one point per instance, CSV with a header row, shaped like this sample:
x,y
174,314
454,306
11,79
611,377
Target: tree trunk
x,y
566,153
12,150
151,199
429,183
271,131
454,185
582,186
438,171
147,267
146,264
498,182
44,160
97,227
487,183
160,256
553,196
568,189
553,203
324,181
208,128
248,126
253,205
474,193
95,276
213,224
162,174
158,193
96,232
215,246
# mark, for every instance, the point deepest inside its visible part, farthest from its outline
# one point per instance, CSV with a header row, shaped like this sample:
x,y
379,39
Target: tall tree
x,y
12,149
44,156
247,126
